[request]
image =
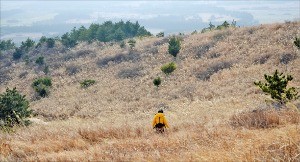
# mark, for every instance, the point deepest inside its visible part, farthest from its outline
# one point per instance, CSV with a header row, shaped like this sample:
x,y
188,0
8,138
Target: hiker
x,y
160,122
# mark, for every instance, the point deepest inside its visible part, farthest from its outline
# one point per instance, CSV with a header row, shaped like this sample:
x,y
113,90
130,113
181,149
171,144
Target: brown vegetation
x,y
111,120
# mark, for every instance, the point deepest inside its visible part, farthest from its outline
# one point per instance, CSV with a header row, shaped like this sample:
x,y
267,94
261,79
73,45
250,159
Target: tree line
x,y
105,32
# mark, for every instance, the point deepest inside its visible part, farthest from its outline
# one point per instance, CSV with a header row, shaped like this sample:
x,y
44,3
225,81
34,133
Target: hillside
x,y
111,120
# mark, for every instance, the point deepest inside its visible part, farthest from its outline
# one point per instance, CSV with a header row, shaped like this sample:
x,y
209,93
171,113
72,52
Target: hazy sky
x,y
169,16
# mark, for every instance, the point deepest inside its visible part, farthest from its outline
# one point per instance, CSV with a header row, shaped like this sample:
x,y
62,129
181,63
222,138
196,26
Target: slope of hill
x,y
111,120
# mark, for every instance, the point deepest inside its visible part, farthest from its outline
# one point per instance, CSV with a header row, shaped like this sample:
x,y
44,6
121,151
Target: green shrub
x,y
160,34
50,42
157,81
87,83
122,44
223,26
168,68
40,60
174,46
18,54
27,44
41,86
6,45
13,109
194,32
46,70
297,42
131,43
68,41
276,86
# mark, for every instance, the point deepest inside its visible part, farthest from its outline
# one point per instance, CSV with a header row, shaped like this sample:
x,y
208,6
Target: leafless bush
x,y
265,118
262,59
161,42
55,65
201,50
119,58
205,75
131,72
221,35
188,91
286,58
4,75
72,69
68,57
214,55
83,52
152,50
5,63
23,74
251,31
283,151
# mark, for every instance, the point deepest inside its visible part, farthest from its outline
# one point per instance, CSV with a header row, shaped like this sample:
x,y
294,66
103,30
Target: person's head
x,y
160,111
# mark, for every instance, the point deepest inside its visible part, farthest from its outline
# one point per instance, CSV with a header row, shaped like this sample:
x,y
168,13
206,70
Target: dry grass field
x,y
215,111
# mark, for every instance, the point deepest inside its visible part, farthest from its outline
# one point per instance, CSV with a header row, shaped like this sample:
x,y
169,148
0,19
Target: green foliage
x,y
40,60
219,27
122,44
297,42
157,81
46,70
7,45
13,109
276,86
41,86
50,42
168,68
174,46
87,83
18,53
131,43
160,34
105,32
27,60
27,44
211,26
194,32
233,23
67,41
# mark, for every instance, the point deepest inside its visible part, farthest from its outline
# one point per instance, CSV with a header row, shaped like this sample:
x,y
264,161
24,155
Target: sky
x,y
45,17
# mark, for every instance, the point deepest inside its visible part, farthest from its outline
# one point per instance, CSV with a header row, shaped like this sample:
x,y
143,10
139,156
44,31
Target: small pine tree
x,y
160,34
46,70
276,86
174,46
233,23
131,43
27,44
18,53
87,83
14,108
297,42
40,60
122,44
50,42
225,24
41,86
211,26
157,81
6,45
168,68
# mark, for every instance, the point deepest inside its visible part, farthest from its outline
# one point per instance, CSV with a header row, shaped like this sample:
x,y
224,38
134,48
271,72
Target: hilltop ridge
x,y
213,80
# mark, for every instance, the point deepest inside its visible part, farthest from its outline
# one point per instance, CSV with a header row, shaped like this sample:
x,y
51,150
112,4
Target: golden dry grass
x,y
212,85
